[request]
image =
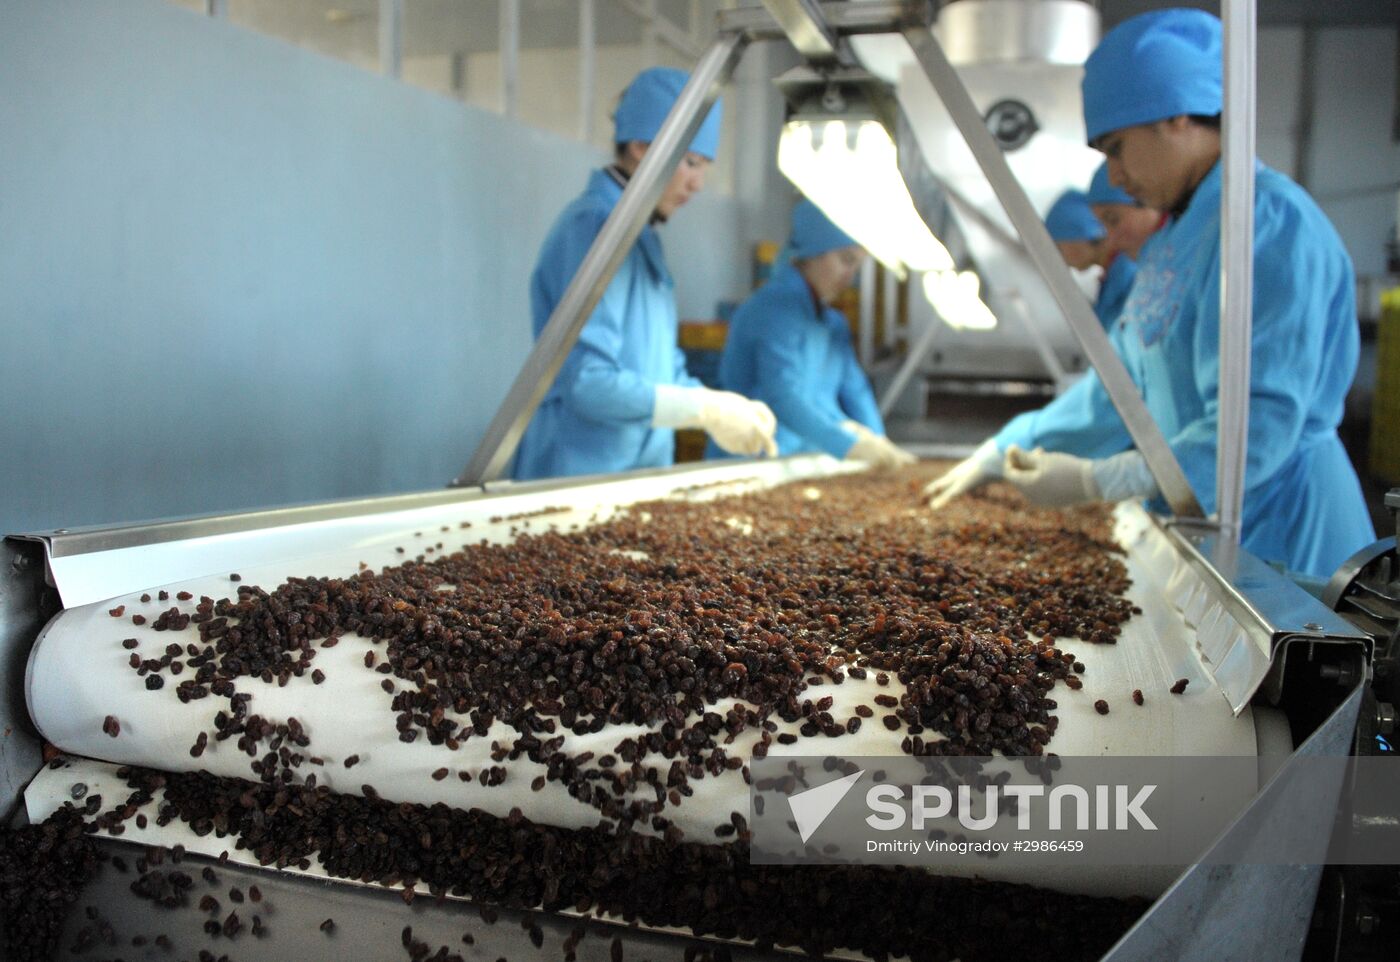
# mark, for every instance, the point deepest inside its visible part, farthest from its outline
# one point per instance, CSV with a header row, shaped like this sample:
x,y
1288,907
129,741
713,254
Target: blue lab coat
x,y
1113,290
796,356
596,417
1082,420
1302,504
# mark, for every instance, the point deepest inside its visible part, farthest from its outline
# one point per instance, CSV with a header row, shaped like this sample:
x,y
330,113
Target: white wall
x,y
237,273
1349,163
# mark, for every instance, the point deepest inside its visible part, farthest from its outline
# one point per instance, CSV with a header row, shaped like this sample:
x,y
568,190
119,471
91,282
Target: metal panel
x,y
1236,264
805,27
620,231
843,18
1146,434
1259,911
1011,31
94,564
25,604
1244,611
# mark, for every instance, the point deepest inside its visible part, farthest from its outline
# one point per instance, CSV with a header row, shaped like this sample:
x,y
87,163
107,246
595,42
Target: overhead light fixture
x,y
836,148
848,169
957,298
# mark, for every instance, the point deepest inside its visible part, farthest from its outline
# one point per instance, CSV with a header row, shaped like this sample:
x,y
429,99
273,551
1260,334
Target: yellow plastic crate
x,y
703,335
1385,406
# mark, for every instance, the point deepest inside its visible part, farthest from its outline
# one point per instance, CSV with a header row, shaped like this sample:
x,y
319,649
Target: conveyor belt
x,y
78,676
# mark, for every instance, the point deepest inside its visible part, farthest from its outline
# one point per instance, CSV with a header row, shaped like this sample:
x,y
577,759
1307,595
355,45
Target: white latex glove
x,y
1124,476
977,469
737,424
1051,479
875,449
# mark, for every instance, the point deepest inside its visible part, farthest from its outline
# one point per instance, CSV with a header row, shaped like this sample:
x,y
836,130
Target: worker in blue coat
x,y
1084,245
1081,420
624,387
1127,224
1152,103
790,349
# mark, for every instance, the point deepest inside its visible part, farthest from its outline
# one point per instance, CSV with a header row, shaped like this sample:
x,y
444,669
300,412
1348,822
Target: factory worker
x,y
790,348
1083,244
1127,224
624,387
1081,420
1152,100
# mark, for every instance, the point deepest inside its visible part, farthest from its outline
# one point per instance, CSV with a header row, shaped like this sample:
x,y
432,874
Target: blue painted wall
x,y
234,273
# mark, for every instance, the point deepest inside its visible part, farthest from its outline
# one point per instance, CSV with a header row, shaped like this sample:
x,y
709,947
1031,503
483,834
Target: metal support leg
x,y
1236,265
867,311
911,365
510,57
391,38
1042,346
1147,436
587,72
620,231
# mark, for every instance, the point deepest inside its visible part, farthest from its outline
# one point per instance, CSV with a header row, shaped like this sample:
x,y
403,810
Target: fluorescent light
x,y
849,169
956,296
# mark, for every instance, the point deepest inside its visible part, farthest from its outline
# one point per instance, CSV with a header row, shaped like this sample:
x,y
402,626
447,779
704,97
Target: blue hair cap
x,y
1102,192
646,102
1151,67
813,233
1070,219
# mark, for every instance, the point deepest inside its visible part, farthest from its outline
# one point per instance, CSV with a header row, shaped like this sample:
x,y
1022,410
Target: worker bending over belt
x,y
790,349
1152,103
624,386
1082,420
1083,244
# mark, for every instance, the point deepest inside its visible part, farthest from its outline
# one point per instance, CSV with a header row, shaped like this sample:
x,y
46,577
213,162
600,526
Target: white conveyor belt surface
x,y
78,674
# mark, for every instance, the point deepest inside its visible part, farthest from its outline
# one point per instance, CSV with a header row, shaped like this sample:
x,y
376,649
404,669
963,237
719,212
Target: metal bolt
x,y
1313,626
1344,674
60,530
1385,718
1367,921
20,562
78,790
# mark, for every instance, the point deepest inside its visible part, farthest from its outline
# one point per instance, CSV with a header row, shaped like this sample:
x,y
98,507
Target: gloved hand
x,y
737,424
1124,476
875,449
977,469
1050,479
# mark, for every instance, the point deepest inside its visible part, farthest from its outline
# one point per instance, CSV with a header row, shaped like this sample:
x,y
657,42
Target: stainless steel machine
x,y
1021,61
1322,669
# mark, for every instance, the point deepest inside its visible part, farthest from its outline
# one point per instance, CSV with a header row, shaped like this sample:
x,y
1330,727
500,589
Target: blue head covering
x,y
813,233
646,102
1151,67
1102,192
1070,218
